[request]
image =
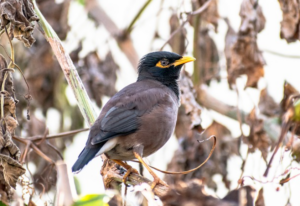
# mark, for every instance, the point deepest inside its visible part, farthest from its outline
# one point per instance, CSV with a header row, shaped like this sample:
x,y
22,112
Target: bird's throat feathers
x,y
171,83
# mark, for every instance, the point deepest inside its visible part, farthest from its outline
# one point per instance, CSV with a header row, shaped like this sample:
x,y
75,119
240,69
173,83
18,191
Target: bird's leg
x,y
127,167
138,153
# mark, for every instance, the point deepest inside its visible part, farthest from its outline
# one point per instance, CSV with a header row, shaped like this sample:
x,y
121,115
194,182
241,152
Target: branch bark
x,y
113,174
271,125
211,103
66,192
70,72
123,40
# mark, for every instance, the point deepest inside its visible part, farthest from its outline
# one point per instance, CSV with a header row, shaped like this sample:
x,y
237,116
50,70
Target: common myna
x,y
139,119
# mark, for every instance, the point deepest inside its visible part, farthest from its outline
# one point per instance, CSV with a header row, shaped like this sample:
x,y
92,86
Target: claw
x,y
128,172
156,181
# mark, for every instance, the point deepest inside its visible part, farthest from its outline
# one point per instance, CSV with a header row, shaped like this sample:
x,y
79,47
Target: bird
x,y
139,119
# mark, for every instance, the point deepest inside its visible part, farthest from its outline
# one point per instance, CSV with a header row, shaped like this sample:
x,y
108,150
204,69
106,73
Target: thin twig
x,y
201,9
281,55
191,170
173,34
35,148
59,135
198,11
243,167
284,129
137,16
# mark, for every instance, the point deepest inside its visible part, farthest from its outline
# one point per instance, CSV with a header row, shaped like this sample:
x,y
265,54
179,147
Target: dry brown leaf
x,y
177,42
11,124
288,92
12,170
99,76
20,14
188,99
253,19
257,138
208,58
211,14
243,56
267,105
290,20
290,95
296,150
260,200
57,15
192,193
230,39
242,196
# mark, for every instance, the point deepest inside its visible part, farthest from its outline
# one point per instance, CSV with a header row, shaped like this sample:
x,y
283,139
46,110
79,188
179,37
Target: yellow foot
x,y
129,171
156,181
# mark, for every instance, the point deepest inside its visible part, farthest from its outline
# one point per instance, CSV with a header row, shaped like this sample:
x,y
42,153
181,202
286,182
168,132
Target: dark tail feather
x,y
84,158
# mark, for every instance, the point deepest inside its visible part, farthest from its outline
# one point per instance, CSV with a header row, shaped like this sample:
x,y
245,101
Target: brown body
x,y
159,105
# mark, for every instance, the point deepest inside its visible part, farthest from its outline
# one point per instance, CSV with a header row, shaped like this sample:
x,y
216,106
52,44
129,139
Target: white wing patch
x,y
107,146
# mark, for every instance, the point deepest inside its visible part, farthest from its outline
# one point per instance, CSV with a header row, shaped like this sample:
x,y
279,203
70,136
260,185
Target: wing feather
x,y
123,117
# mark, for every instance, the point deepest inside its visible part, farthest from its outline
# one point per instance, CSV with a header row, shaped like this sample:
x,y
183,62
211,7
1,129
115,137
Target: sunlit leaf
x,y
92,199
2,204
81,2
297,110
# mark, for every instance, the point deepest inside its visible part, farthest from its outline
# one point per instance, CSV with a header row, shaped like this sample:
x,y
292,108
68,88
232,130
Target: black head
x,y
164,67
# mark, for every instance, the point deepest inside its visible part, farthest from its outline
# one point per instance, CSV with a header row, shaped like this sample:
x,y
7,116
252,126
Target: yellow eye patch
x,y
162,66
180,61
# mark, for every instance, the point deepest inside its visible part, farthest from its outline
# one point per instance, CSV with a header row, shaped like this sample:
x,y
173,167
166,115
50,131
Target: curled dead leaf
x,y
192,193
257,138
290,20
188,99
99,76
253,19
267,104
19,14
11,169
177,42
242,53
260,200
288,92
211,14
208,58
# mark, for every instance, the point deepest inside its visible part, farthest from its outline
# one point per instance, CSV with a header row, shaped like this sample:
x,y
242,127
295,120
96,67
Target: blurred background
x,y
245,83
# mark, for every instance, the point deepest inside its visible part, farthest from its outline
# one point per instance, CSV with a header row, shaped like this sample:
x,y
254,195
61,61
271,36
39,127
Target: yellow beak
x,y
184,60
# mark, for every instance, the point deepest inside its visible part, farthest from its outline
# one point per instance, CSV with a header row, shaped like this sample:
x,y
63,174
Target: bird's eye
x,y
164,62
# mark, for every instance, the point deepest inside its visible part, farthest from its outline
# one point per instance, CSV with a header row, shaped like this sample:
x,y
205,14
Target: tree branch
x,y
70,72
63,134
281,54
114,173
124,42
211,103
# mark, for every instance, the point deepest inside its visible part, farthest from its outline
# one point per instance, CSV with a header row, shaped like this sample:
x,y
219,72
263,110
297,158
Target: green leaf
x,y
297,110
81,2
93,199
2,204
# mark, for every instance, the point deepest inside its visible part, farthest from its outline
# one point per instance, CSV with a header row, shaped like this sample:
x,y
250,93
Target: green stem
x,y
196,75
70,72
47,29
137,16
